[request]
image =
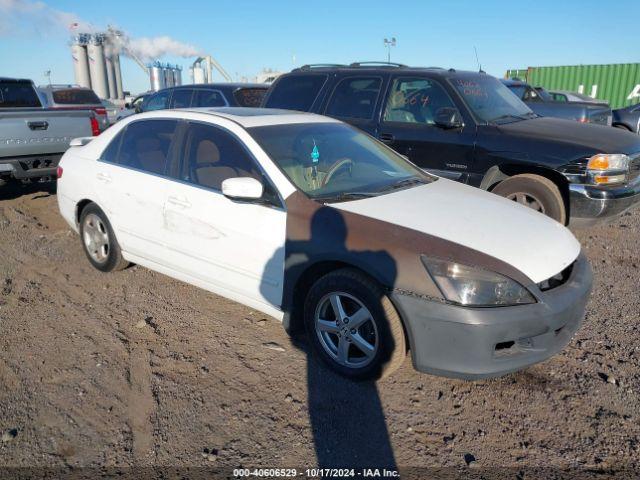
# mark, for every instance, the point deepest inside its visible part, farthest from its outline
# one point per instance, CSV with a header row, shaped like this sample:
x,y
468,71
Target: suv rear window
x,y
18,94
296,92
249,97
75,96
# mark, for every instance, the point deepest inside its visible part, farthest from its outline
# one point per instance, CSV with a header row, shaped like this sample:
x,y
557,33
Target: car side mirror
x,y
242,188
127,105
448,118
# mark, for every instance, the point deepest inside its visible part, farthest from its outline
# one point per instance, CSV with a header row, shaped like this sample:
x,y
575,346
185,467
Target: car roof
x,y
258,117
220,85
378,67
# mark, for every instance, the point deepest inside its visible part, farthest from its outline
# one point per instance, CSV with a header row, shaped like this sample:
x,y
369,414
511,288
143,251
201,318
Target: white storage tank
x,y
81,61
118,72
95,52
111,73
156,77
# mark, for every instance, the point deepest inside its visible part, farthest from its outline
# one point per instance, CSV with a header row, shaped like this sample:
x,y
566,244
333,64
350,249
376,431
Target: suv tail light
x,y
95,127
100,111
59,172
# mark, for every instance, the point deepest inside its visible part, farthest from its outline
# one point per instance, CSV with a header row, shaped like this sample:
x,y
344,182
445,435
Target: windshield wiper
x,y
344,196
506,117
407,182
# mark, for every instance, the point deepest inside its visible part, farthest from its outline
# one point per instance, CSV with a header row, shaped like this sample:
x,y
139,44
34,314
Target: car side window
x,y
530,95
211,155
146,144
181,98
355,97
157,102
415,100
110,154
296,92
208,98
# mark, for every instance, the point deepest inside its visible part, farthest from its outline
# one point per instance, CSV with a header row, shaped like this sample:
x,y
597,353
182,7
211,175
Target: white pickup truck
x,y
32,138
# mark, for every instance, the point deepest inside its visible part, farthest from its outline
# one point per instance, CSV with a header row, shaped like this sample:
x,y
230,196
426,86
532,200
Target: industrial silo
x,y
111,72
81,61
156,77
177,76
168,76
197,72
116,68
95,51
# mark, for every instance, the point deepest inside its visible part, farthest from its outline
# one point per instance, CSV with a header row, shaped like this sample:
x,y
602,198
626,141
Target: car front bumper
x,y
472,343
590,204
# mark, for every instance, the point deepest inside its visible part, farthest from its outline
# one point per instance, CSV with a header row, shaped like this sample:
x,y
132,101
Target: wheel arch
x,y
304,280
497,174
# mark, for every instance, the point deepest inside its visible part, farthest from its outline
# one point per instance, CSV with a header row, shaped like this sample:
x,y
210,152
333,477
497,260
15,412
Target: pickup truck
x,y
32,138
542,103
469,127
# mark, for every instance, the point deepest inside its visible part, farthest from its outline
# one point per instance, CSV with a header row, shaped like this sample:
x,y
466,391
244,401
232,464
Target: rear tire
x,y
367,340
536,192
98,240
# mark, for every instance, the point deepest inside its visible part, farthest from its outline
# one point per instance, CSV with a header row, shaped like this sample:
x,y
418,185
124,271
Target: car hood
x,y
600,138
534,244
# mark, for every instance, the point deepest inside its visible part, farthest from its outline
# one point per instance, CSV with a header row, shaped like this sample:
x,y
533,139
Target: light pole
x,y
47,74
389,43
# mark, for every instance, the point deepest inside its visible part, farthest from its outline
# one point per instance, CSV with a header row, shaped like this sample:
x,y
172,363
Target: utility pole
x,y
389,43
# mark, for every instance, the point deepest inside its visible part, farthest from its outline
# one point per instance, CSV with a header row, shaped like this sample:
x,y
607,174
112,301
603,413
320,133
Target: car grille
x,y
634,166
557,280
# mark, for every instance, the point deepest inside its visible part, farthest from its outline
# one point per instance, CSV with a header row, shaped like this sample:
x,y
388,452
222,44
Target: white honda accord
x,y
309,220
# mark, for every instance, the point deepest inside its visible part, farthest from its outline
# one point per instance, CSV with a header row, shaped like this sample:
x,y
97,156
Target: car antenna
x,y
477,60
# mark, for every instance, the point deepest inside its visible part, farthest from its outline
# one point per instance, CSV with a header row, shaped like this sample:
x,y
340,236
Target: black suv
x,y
470,127
206,95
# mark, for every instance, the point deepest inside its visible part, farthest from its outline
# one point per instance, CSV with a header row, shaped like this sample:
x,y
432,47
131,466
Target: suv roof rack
x,y
381,64
320,65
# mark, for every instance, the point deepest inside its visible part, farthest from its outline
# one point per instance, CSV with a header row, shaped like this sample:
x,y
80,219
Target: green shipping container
x,y
619,84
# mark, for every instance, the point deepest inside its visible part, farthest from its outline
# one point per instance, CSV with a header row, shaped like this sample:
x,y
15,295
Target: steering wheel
x,y
344,162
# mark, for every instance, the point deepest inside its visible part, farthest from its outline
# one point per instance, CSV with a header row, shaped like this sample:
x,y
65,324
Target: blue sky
x,y
246,36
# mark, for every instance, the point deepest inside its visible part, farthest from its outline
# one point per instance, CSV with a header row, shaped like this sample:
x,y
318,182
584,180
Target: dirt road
x,y
133,369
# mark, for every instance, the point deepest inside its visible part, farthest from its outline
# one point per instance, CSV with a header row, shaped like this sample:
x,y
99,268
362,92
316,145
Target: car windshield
x,y
490,100
335,162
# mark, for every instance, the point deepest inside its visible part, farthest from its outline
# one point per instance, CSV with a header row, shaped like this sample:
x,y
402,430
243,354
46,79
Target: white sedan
x,y
310,220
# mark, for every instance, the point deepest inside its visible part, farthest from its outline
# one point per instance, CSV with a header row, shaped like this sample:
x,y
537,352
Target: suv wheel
x,y
536,192
99,241
353,326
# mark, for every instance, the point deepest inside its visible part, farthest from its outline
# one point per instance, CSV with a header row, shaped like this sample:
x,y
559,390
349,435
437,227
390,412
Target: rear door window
x,y
209,98
355,97
157,102
211,155
415,100
18,95
181,98
146,144
75,96
249,97
296,92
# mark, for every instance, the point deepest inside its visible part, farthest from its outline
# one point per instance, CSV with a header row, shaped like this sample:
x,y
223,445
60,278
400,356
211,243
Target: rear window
x,y
75,96
18,95
249,97
296,92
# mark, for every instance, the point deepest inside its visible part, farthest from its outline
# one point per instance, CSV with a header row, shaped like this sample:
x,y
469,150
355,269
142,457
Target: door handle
x,y
179,202
103,177
387,138
38,125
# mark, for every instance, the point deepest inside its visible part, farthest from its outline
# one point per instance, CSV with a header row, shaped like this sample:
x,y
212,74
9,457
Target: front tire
x,y
98,240
353,326
536,192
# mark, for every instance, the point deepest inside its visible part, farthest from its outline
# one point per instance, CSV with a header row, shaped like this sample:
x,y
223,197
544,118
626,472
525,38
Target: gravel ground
x,y
134,369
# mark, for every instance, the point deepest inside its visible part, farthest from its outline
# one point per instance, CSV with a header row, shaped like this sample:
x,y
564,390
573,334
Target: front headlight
x,y
471,286
608,168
